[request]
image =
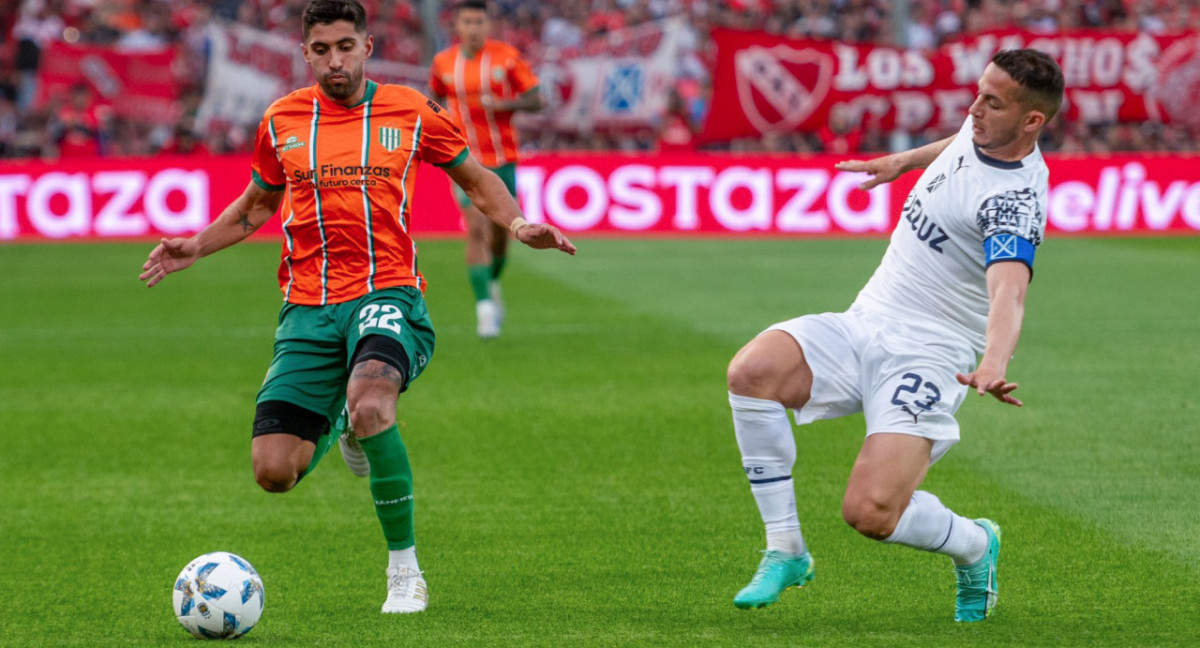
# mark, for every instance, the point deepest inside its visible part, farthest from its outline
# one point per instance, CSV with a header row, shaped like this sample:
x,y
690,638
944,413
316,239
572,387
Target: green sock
x,y
391,486
498,266
479,275
326,442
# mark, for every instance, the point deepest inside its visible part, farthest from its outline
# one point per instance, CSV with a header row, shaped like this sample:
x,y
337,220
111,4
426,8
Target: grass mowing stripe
x,y
576,484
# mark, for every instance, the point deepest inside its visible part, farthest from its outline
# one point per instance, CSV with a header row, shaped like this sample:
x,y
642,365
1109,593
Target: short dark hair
x,y
1038,75
481,5
325,12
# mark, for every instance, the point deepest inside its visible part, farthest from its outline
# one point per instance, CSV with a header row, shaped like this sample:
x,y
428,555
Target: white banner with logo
x,y
621,81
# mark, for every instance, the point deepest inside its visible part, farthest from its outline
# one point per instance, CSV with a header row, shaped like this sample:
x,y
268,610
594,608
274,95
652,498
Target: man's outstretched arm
x,y
889,167
239,220
1007,283
488,193
529,101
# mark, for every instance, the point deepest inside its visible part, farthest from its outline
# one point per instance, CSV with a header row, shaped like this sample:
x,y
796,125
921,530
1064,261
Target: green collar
x,y
368,95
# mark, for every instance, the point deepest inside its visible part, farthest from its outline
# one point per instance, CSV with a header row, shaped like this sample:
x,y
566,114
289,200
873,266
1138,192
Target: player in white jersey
x,y
951,286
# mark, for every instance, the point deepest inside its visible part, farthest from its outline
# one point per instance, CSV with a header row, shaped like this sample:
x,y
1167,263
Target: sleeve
x,y
436,87
520,75
265,168
441,143
1012,224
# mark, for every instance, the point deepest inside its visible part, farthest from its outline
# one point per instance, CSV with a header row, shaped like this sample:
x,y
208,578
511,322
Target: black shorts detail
x,y
282,417
386,350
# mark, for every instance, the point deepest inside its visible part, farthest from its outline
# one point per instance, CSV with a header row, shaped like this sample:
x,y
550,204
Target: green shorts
x,y
507,173
314,345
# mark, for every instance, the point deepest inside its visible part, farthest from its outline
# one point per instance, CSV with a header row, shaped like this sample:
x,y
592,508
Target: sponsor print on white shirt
x,y
967,210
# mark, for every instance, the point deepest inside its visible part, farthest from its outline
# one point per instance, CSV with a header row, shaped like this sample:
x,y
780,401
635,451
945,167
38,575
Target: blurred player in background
x,y
341,158
484,82
951,286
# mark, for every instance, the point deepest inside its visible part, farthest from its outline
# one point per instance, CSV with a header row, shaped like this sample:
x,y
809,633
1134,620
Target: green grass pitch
x,y
577,480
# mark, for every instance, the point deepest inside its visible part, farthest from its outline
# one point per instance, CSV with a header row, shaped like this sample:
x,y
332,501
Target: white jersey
x,y
933,273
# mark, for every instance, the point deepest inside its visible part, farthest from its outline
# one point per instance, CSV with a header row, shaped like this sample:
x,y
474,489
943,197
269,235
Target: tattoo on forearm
x,y
244,221
373,369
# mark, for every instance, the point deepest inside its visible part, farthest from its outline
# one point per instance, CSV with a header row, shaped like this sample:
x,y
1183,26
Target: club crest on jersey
x,y
389,138
936,183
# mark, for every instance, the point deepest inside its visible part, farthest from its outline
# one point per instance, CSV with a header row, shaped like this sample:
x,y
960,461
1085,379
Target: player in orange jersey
x,y
484,82
341,158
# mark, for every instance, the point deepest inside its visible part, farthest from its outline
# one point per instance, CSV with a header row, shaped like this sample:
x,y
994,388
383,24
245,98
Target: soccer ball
x,y
218,596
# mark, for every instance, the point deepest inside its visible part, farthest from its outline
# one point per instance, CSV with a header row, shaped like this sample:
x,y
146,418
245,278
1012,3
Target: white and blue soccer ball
x,y
218,596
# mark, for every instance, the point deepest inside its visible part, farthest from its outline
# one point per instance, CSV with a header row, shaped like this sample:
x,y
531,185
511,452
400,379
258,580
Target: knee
x,y
748,375
869,516
275,476
370,415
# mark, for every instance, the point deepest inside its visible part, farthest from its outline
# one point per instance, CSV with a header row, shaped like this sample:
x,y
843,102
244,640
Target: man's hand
x,y
493,104
990,382
883,169
889,167
542,236
171,255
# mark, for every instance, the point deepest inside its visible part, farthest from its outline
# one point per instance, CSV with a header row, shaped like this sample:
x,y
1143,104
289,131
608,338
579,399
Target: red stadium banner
x,y
773,84
679,195
139,85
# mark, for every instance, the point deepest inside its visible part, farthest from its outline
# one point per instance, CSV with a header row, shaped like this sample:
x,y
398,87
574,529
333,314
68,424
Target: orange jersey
x,y
496,72
350,175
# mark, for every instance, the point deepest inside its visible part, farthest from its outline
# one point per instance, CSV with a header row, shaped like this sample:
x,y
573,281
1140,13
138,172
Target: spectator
x,y
8,127
76,127
184,142
542,30
153,30
40,24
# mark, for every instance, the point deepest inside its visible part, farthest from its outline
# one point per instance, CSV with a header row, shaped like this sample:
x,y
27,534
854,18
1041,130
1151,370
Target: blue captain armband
x,y
1007,247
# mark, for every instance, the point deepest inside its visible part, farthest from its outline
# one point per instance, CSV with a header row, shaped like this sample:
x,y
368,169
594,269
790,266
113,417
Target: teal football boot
x,y
777,571
978,589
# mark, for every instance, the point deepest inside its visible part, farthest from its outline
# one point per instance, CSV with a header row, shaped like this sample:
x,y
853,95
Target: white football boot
x,y
406,592
352,452
495,294
487,317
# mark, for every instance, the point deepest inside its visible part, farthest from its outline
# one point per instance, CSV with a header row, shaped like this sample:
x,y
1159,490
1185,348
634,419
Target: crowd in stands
x,y
33,126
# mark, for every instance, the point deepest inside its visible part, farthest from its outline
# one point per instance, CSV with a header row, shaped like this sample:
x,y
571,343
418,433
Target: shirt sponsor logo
x,y
926,230
329,172
292,142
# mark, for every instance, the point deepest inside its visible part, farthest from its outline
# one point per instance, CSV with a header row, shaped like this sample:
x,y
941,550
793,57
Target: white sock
x,y
764,436
929,526
403,558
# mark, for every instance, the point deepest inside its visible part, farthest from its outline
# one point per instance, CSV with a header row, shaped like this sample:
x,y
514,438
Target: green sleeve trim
x,y
458,159
264,184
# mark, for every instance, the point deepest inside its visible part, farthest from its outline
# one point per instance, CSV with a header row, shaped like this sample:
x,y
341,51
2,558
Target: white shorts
x,y
899,375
